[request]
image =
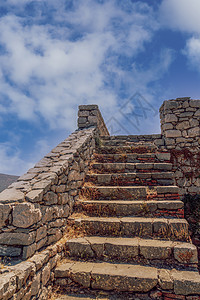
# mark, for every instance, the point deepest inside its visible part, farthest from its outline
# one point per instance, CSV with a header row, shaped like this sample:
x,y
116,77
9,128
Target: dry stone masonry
x,y
101,213
180,128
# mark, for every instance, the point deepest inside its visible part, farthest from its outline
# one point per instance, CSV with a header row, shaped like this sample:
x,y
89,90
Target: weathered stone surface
x,y
186,253
41,233
194,132
164,279
45,275
155,250
25,215
22,271
80,248
9,251
170,118
173,133
81,273
63,269
40,259
11,195
7,285
50,198
34,196
186,282
17,238
35,286
110,276
4,213
28,251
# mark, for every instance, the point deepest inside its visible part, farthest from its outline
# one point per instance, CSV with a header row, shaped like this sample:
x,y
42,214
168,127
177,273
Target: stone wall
x,y
180,128
33,278
90,115
34,210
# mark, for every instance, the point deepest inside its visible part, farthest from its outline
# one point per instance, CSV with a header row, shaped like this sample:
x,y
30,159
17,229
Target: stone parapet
x,y
90,115
180,128
34,210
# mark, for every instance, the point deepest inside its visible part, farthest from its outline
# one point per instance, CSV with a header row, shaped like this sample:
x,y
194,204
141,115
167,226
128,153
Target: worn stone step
x,y
127,277
134,148
133,250
171,228
130,167
132,157
129,179
133,137
151,208
129,192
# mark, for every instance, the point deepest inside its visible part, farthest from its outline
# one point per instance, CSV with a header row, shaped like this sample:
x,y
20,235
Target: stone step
x,y
126,277
132,157
151,208
134,250
133,148
133,138
161,193
118,142
171,228
130,167
129,179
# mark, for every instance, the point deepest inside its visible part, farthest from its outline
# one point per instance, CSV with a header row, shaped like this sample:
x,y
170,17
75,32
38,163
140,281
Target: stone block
x,y
41,233
28,251
45,275
194,132
50,198
173,133
170,118
186,253
10,251
25,215
186,282
17,238
35,285
195,103
11,195
34,196
8,285
164,279
5,210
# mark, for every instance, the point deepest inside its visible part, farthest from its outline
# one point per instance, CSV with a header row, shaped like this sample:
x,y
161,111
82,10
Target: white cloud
x,y
192,51
51,72
54,59
10,161
181,14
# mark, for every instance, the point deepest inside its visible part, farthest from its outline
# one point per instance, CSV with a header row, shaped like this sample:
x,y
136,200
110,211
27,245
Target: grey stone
x,y
194,132
28,251
8,285
35,286
50,198
25,215
45,275
9,251
170,118
173,133
34,196
11,195
5,210
41,233
17,238
186,282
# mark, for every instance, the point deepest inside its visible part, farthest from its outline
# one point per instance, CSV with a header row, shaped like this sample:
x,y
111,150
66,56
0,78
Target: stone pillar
x,y
90,115
180,128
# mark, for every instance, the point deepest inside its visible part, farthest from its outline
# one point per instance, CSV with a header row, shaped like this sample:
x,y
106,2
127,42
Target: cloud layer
x,y
55,55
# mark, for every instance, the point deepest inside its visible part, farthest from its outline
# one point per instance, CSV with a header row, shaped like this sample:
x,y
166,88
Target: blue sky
x,y
126,56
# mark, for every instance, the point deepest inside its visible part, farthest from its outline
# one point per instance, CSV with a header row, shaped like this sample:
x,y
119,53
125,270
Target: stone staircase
x,y
134,240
